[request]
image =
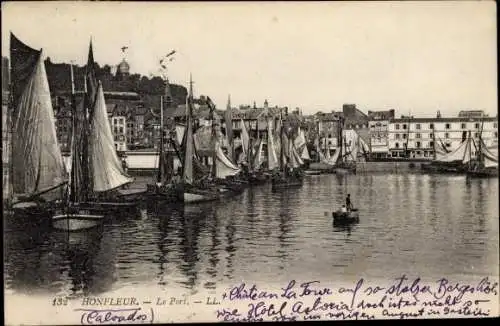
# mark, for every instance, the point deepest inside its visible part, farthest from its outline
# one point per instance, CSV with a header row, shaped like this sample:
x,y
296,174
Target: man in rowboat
x,y
348,203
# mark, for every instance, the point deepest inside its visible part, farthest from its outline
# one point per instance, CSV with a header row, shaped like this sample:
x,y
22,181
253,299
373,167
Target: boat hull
x,y
76,221
197,197
323,167
486,173
344,171
312,172
345,217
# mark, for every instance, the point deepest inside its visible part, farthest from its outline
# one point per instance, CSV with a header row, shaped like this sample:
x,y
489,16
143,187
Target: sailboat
x,y
164,188
487,161
71,216
37,171
289,174
191,189
102,172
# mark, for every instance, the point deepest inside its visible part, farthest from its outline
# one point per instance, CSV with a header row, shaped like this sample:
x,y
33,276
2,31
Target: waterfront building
x,y
328,130
379,132
414,138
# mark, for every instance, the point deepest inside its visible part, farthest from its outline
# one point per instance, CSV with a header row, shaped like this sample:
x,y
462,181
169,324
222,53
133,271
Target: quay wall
x,y
388,167
138,161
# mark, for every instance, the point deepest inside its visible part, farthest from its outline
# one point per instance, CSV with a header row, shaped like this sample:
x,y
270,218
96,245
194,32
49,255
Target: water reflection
x,y
408,223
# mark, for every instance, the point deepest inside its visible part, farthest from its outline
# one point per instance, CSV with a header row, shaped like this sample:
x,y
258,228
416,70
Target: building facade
x,y
415,138
378,125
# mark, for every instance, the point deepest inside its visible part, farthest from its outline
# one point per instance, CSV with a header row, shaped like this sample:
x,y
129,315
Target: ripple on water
x,y
433,225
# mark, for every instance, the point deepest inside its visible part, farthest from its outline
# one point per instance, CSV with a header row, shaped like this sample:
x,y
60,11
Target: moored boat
x,y
76,219
351,216
37,172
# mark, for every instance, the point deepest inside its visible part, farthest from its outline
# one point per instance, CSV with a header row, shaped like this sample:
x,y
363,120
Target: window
x,y
448,126
418,135
476,135
417,145
394,154
397,145
495,125
431,144
446,135
431,135
464,125
418,152
476,125
397,136
417,126
121,130
496,134
397,126
431,126
404,136
404,126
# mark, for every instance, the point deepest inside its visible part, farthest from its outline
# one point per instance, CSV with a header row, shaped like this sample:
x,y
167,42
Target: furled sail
x,y
468,152
257,162
187,169
300,140
36,157
223,166
107,172
305,153
456,155
490,158
272,159
489,161
179,132
295,159
245,138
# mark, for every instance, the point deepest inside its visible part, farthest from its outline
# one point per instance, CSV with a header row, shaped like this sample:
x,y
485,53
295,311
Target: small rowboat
x,y
346,217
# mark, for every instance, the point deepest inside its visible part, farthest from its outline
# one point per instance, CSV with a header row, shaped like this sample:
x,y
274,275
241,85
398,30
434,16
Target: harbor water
x,y
423,225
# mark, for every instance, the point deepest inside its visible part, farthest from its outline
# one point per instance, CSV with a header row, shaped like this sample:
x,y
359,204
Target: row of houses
x,y
135,123
391,137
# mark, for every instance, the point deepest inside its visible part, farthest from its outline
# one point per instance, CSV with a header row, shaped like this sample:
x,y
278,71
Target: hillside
x,y
60,81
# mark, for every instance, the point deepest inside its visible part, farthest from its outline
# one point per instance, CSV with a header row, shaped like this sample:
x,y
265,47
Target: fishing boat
x,y
486,165
447,161
71,216
324,163
289,174
37,172
164,187
189,189
353,148
351,216
102,175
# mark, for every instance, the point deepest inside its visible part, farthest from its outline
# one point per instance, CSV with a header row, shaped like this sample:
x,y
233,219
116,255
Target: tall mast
x,y
434,141
73,187
480,155
160,176
215,141
282,143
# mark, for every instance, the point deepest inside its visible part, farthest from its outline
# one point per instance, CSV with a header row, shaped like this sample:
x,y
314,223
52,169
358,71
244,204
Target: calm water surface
x,y
424,225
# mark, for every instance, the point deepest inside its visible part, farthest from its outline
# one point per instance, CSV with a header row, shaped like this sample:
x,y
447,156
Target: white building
x,y
416,136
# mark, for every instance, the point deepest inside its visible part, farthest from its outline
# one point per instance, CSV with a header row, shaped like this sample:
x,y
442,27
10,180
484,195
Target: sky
x,y
414,57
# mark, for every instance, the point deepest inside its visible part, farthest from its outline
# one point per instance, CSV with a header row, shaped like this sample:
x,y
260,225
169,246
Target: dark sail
x,y
23,60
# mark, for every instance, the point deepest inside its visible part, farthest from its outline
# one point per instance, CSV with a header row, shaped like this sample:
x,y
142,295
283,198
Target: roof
x,y
381,114
444,119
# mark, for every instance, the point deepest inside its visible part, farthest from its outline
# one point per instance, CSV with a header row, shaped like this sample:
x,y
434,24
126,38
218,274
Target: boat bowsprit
x,y
351,216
